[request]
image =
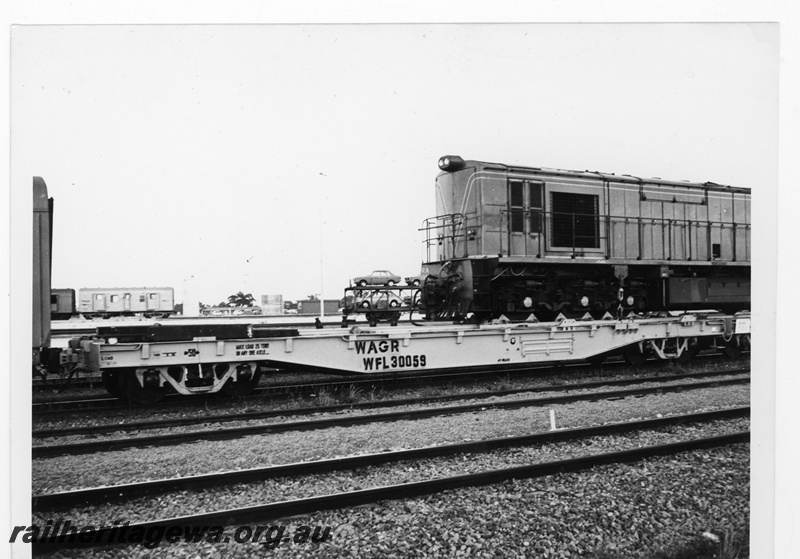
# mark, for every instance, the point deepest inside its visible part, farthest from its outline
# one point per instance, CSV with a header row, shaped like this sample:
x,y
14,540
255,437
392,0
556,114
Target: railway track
x,y
216,433
117,493
103,403
264,414
282,509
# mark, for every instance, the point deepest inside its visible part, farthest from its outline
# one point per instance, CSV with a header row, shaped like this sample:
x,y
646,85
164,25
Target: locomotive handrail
x,y
451,228
672,231
451,233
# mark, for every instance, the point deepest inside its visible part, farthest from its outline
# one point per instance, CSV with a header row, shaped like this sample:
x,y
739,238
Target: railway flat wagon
x,y
519,240
119,301
142,363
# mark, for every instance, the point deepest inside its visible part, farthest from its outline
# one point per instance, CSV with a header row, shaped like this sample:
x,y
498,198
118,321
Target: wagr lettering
x,y
383,346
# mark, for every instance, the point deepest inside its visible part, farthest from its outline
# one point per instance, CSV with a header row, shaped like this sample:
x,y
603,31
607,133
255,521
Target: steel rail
x,y
283,509
221,418
123,492
44,451
103,403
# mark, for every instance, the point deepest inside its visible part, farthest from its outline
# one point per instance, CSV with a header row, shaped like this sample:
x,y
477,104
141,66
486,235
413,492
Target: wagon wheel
x,y
732,349
691,351
135,393
634,355
596,360
111,383
241,387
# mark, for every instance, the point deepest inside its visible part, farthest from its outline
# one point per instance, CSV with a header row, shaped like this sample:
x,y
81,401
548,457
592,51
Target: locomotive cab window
x,y
575,221
525,201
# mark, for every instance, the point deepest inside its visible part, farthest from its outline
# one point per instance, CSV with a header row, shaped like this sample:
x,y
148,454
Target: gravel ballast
x,y
63,473
646,509
295,487
658,505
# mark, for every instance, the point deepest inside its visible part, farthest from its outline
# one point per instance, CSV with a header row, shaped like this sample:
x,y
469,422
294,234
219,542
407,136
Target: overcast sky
x,y
286,159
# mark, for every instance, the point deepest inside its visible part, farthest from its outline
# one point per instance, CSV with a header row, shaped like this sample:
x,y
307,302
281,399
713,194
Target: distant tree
x,y
241,300
313,297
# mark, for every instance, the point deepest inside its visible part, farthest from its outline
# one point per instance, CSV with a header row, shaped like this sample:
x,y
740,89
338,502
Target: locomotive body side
x,y
515,241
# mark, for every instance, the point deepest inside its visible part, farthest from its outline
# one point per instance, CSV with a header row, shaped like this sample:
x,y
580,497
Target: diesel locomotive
x,y
519,241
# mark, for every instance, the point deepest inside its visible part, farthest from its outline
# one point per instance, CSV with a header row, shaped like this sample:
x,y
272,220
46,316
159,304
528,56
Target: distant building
x,y
272,304
230,311
311,306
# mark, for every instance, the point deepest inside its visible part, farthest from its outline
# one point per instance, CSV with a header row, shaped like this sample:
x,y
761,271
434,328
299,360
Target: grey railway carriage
x,y
122,301
516,241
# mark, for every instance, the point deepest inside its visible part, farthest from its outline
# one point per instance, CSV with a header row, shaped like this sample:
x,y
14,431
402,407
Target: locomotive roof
x,y
607,176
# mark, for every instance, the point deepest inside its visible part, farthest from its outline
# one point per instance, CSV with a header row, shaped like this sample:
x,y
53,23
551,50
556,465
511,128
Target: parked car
x,y
414,281
375,305
377,301
378,277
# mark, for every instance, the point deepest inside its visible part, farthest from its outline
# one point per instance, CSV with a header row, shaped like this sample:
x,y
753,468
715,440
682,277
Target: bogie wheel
x,y
732,349
111,383
691,351
634,355
241,387
597,360
134,392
